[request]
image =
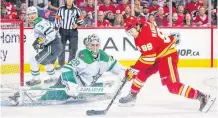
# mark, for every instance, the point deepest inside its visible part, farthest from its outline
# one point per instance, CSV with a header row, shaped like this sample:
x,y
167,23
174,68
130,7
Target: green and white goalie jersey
x,y
86,69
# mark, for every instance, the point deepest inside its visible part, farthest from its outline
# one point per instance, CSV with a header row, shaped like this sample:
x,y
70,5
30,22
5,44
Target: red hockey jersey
x,y
153,45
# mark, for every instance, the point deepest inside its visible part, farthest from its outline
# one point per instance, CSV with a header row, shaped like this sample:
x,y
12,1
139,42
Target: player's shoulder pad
x,y
86,56
39,19
104,56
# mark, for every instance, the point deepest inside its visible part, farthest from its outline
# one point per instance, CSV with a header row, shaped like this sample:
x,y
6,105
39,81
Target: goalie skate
x,y
129,100
206,102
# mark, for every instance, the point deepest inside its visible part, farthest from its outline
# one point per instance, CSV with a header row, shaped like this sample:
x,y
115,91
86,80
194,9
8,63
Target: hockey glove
x,y
40,40
37,46
131,73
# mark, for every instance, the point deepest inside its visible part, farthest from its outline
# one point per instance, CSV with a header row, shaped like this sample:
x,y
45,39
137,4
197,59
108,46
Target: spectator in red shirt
x,y
194,5
188,20
11,11
181,16
127,12
121,6
80,3
166,8
160,19
107,6
90,6
153,7
201,19
101,21
22,16
175,19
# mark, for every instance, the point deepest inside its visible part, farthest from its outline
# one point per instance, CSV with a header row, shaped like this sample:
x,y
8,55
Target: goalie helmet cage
x,y
10,27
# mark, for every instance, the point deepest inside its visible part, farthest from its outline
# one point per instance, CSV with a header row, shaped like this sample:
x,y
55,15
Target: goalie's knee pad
x,y
174,87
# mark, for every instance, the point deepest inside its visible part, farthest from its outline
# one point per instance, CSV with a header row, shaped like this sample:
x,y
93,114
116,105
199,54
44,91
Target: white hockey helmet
x,y
93,44
32,13
31,10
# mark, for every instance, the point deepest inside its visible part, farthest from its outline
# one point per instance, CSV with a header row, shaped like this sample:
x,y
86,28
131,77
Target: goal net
x,y
12,52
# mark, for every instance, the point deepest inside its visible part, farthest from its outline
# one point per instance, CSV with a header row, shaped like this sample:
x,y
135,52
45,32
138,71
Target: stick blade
x,y
95,112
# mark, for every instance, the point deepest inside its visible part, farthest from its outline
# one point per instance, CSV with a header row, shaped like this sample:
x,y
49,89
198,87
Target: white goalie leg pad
x,y
111,87
71,88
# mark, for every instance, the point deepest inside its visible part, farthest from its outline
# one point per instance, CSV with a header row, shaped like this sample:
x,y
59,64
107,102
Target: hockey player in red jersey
x,y
158,53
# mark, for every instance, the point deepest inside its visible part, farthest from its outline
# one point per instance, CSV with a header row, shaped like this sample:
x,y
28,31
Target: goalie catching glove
x,y
131,73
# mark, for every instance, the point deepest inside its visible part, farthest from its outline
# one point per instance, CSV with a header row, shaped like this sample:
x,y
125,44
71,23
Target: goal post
x,y
12,45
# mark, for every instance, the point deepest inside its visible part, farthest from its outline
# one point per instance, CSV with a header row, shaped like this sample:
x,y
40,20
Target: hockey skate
x,y
206,102
129,100
50,80
33,82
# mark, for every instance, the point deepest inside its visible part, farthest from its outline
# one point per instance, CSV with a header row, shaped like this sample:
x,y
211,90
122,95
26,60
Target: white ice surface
x,y
154,101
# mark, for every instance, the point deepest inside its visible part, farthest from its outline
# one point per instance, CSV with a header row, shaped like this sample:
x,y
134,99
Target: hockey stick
x,y
103,112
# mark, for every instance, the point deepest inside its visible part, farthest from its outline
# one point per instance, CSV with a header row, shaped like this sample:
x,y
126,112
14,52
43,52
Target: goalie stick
x,y
103,112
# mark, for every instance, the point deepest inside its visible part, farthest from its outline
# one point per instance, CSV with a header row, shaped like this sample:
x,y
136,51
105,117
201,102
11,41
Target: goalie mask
x,y
32,14
93,44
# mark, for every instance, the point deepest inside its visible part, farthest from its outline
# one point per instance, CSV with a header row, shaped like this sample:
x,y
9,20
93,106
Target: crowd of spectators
x,y
112,13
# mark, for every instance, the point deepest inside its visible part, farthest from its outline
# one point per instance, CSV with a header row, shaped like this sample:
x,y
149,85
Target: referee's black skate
x,y
33,82
128,100
206,102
